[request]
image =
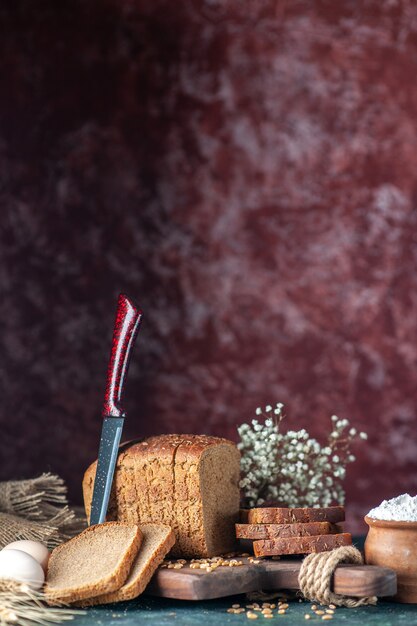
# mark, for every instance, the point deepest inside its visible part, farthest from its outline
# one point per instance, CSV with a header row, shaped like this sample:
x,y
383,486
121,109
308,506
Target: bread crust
x,y
275,515
301,545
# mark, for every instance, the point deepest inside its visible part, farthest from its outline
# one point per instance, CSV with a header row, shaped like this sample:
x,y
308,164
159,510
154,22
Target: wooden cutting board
x,y
196,584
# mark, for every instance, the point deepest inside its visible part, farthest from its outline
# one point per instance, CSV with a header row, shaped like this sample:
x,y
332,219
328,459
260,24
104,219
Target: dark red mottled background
x,y
247,171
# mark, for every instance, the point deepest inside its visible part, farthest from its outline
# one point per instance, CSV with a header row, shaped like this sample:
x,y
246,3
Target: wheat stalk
x,y
21,606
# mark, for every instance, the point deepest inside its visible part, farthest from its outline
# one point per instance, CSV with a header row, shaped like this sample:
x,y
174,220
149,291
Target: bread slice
x,y
301,545
267,515
157,542
96,561
275,531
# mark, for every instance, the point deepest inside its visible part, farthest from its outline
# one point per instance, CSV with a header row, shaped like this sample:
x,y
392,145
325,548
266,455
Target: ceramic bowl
x,y
394,545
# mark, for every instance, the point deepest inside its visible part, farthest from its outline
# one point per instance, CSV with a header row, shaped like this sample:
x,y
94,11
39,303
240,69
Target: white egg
x,y
34,548
20,566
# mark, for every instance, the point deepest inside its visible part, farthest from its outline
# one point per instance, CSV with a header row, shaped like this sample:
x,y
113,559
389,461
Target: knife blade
x,y
128,318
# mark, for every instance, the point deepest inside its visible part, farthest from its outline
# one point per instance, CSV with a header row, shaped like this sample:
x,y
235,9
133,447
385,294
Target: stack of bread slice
x,y
280,531
106,563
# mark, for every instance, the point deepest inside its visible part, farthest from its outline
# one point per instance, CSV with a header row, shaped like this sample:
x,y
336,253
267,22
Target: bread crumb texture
x,y
157,541
96,561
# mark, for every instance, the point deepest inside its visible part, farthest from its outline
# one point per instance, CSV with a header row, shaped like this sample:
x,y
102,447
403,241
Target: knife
x,y
128,318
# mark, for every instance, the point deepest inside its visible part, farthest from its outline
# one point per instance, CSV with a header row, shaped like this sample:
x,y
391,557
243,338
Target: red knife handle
x,y
126,327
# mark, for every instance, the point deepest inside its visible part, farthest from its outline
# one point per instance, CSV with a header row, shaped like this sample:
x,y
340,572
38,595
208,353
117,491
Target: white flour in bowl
x,y
400,509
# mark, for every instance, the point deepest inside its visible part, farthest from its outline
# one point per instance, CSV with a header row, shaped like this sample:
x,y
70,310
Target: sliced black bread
x,y
158,540
274,515
95,562
275,531
301,545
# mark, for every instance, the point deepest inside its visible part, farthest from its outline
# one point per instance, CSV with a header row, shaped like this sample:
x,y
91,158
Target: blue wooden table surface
x,y
152,611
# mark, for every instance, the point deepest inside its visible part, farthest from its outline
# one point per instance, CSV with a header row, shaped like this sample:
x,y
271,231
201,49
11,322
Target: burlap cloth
x,y
36,509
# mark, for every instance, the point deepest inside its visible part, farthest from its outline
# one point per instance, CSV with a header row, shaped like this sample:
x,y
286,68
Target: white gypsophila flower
x,y
293,468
